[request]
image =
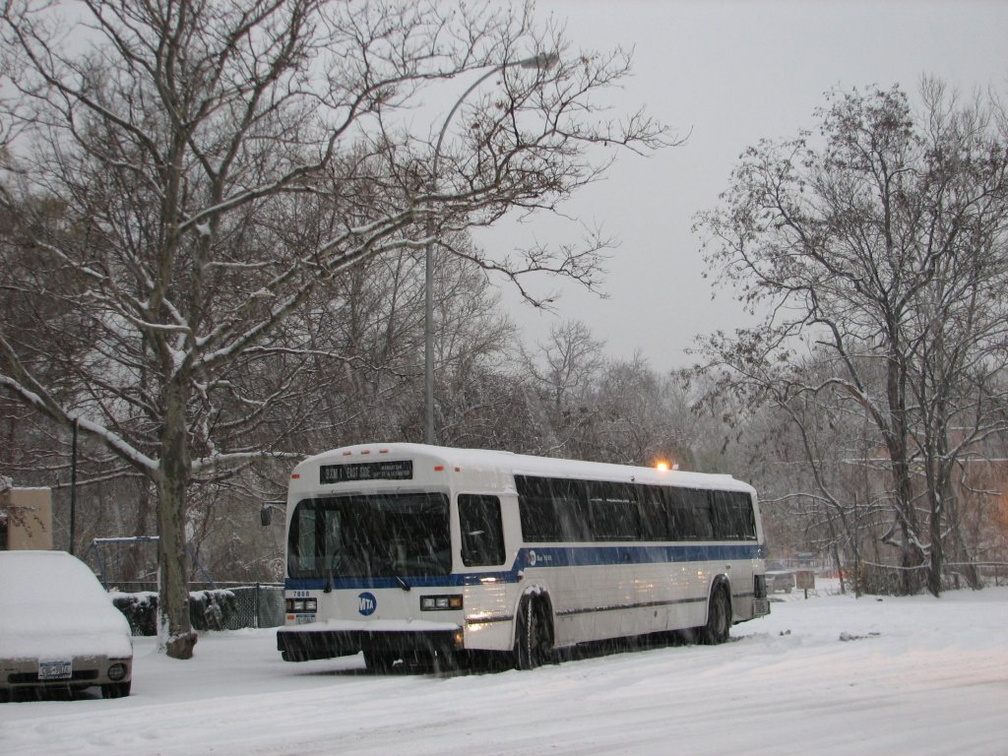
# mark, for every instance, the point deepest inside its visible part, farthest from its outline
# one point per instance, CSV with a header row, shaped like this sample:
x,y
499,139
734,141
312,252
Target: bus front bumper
x,y
297,644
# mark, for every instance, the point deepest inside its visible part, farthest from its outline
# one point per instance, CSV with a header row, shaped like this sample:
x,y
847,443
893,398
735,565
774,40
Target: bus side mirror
x,y
266,511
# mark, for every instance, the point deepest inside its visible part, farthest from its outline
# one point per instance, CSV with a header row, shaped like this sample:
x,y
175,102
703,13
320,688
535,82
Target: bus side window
x,y
691,515
740,516
654,514
747,520
539,521
703,516
570,502
680,515
614,513
733,516
724,522
482,532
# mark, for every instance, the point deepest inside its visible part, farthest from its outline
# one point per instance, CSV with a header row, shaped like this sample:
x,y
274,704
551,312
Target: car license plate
x,y
55,670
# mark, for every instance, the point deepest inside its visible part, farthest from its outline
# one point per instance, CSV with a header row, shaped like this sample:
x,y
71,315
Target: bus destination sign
x,y
401,469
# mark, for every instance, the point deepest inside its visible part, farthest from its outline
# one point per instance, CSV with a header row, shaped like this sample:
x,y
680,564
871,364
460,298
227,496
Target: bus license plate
x,y
55,670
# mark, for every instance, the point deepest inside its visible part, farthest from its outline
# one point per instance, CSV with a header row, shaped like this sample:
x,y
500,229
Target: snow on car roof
x,y
64,577
52,604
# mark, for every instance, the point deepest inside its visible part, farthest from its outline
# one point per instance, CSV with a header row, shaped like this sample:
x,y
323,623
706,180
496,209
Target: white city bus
x,y
406,551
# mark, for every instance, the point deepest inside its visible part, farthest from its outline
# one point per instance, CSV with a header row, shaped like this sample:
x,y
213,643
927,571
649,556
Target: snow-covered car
x,y
58,627
780,580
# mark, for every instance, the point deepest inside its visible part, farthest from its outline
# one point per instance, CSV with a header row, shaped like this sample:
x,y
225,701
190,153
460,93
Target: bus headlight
x,y
301,605
440,603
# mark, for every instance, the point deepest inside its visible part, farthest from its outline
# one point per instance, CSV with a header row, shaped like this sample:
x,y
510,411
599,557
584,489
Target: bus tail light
x,y
440,603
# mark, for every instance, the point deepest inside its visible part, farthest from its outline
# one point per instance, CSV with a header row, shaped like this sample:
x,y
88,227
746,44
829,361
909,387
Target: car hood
x,y
40,630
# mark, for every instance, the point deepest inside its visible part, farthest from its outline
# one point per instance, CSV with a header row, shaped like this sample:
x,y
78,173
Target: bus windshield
x,y
392,535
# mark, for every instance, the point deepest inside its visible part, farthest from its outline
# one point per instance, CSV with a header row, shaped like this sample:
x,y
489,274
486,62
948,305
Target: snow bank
x,y
915,676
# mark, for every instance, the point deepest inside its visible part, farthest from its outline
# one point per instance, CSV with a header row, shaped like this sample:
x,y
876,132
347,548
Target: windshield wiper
x,y
402,582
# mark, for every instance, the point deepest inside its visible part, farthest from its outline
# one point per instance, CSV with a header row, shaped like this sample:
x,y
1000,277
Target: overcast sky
x,y
728,73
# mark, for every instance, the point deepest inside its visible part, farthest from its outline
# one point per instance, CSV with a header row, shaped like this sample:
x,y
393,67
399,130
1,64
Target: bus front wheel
x,y
379,660
534,636
718,618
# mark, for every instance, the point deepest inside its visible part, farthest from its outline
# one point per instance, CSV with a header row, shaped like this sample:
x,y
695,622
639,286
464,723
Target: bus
x,y
410,552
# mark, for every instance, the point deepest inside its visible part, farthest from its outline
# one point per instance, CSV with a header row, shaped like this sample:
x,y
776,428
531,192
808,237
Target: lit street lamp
x,y
541,62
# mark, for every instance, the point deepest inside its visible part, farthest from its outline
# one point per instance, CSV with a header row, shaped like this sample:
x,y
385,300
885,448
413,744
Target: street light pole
x,y
541,62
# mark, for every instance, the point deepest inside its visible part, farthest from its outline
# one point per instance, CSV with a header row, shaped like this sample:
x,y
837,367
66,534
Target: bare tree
x,y
562,372
882,240
639,417
173,146
815,458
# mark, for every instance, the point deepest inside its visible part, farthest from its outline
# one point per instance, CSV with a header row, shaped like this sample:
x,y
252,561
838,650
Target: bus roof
x,y
485,460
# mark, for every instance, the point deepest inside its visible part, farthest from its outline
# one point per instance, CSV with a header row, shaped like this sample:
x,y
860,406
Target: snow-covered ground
x,y
827,675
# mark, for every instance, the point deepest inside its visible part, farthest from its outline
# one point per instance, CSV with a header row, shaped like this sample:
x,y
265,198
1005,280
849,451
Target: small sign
x,y
401,469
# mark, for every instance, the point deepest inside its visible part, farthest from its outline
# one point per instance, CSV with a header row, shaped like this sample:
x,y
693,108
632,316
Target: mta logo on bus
x,y
367,603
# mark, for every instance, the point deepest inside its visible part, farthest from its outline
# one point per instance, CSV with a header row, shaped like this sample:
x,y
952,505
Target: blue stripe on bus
x,y
580,556
531,558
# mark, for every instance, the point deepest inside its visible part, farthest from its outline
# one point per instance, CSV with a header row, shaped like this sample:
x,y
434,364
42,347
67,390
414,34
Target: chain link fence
x,y
259,605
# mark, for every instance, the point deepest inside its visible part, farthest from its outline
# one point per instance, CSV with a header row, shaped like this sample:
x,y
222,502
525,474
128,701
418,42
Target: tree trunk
x,y
175,634
896,441
937,556
911,556
961,553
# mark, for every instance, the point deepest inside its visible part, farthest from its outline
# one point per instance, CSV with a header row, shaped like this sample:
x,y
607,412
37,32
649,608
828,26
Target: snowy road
x,y
830,675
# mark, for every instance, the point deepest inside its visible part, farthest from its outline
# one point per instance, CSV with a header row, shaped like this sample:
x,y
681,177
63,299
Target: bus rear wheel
x,y
534,636
718,618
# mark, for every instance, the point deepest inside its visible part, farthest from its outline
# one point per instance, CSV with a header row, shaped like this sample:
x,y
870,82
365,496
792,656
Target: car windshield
x,y
383,535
